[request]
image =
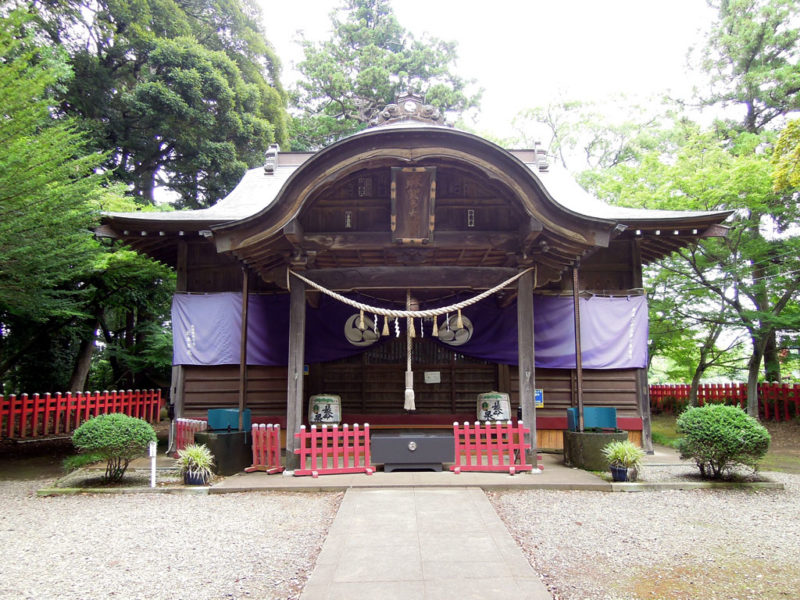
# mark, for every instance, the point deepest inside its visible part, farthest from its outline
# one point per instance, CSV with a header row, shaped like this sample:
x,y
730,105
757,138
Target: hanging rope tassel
x,y
361,325
459,321
409,403
411,329
385,326
435,327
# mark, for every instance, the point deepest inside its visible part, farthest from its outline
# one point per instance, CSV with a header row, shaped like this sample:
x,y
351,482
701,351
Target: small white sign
x,y
152,449
433,377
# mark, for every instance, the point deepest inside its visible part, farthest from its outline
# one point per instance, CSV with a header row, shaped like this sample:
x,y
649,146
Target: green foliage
x,y
719,437
624,454
582,135
751,56
183,94
117,439
369,60
196,460
745,280
787,158
47,182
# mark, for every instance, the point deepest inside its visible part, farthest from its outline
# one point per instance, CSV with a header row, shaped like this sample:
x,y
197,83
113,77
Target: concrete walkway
x,y
421,543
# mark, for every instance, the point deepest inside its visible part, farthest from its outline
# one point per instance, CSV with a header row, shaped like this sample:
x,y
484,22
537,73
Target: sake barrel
x,y
494,406
324,409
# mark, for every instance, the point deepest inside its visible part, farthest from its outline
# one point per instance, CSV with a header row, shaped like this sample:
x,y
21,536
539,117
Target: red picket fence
x,y
491,447
185,430
776,401
266,449
32,416
334,451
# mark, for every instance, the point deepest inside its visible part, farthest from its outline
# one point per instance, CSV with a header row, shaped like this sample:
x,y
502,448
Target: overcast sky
x,y
528,53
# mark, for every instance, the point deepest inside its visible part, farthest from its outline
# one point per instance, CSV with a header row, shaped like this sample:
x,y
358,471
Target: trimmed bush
x,y
115,438
720,437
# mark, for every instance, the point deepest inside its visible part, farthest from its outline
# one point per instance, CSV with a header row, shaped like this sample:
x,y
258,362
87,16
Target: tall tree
x,y
751,56
48,184
183,93
753,62
368,62
594,135
753,271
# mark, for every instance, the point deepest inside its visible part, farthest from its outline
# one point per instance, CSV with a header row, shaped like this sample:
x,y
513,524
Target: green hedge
x,y
117,439
719,437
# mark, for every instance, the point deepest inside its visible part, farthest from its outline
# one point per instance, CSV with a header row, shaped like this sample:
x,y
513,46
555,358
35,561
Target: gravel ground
x,y
700,544
257,545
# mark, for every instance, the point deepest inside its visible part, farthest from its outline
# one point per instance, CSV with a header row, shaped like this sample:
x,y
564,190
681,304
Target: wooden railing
x,y
185,430
776,401
491,447
330,451
33,416
266,449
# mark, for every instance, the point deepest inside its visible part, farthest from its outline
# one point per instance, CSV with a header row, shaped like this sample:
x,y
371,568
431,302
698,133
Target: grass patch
x,y
715,577
78,461
663,430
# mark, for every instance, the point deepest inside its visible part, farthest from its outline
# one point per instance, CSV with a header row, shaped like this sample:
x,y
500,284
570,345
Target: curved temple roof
x,y
253,216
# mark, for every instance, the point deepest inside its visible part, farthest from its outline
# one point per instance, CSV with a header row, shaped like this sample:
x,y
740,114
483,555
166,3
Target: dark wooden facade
x,y
409,206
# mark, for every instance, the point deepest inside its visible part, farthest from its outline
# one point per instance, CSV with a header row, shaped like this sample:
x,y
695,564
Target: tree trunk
x,y
698,374
753,368
772,365
83,362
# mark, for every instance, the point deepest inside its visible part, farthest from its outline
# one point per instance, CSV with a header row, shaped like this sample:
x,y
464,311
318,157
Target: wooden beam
x,y
294,384
498,240
529,231
716,230
293,232
525,353
426,277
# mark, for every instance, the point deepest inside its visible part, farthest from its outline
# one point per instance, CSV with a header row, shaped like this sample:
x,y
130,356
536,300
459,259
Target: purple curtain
x,y
614,331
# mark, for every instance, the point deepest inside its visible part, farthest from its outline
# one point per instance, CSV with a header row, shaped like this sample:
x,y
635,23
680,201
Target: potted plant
x,y
624,459
195,463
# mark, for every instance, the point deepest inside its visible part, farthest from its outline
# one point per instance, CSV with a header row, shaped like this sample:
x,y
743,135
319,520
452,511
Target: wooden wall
x,y
218,387
374,382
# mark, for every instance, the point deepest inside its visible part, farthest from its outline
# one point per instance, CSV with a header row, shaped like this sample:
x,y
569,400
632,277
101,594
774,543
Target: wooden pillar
x,y
243,347
527,371
178,372
294,385
642,384
576,300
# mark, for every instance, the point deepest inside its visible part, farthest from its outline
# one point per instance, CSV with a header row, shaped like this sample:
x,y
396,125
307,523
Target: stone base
x,y
585,450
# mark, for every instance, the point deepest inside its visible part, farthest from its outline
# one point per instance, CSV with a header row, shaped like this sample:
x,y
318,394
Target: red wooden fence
x,y
266,449
38,415
185,430
491,447
776,401
333,451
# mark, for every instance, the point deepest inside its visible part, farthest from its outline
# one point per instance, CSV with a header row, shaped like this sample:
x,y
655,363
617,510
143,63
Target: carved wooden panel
x,y
413,194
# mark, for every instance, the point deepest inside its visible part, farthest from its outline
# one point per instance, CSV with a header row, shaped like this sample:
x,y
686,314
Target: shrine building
x,y
406,269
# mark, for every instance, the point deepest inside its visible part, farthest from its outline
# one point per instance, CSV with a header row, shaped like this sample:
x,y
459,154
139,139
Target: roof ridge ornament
x,y
271,159
408,107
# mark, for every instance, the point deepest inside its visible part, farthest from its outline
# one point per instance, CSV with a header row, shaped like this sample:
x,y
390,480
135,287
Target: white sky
x,y
528,53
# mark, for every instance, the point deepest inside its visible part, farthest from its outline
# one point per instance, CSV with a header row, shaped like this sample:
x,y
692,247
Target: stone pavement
x,y
421,543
